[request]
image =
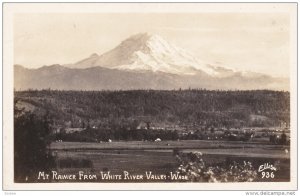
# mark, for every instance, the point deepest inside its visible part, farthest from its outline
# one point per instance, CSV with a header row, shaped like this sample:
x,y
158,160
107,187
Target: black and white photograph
x,y
150,93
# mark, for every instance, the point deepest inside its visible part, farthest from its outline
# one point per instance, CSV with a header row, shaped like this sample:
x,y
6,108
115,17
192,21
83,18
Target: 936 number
x,y
267,175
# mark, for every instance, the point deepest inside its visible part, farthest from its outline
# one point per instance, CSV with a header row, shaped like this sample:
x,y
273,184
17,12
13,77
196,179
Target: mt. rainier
x,y
142,61
145,52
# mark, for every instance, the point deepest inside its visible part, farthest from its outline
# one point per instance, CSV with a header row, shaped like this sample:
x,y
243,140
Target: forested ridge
x,y
172,107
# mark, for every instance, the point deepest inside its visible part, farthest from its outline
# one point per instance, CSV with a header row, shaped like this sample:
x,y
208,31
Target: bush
x,y
195,168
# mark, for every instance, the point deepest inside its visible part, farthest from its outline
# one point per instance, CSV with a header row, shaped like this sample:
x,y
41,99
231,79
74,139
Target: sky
x,y
257,42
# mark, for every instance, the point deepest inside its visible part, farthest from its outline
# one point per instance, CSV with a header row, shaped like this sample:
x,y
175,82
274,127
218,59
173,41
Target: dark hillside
x,y
160,108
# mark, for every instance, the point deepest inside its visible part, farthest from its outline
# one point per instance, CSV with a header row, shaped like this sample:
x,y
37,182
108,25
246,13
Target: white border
x,y
9,9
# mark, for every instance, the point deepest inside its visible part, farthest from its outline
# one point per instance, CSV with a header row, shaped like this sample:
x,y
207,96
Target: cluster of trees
x,y
204,107
31,140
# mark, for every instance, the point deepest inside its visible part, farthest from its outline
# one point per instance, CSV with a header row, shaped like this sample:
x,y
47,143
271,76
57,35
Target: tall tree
x,y
31,152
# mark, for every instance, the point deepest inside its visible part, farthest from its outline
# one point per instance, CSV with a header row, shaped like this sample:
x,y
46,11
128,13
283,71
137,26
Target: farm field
x,y
224,147
159,157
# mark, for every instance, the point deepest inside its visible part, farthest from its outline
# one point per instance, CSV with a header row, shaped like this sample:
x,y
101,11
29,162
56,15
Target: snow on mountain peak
x,y
144,51
152,52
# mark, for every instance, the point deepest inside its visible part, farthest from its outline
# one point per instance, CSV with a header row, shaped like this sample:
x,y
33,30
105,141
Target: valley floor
x,y
137,157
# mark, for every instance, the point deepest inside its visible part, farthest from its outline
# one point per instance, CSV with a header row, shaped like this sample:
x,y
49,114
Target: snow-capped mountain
x,y
142,52
143,61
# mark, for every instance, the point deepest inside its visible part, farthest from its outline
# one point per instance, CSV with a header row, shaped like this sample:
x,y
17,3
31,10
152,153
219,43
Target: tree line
x,y
203,107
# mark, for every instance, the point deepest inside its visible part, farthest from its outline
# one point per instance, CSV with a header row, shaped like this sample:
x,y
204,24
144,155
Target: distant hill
x,y
99,78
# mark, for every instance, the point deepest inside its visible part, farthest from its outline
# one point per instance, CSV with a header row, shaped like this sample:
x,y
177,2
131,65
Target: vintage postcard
x,y
150,96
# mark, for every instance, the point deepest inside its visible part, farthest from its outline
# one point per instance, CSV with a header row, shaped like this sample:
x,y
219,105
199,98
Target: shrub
x,y
194,167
